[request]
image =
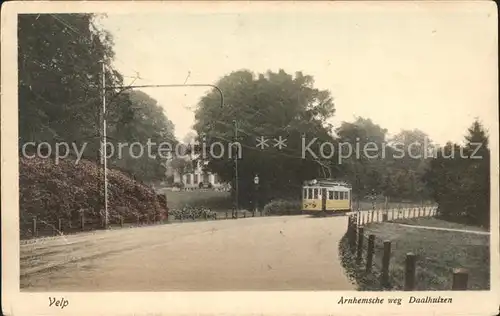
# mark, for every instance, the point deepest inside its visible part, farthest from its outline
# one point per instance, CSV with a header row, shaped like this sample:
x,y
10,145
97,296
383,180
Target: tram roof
x,y
327,183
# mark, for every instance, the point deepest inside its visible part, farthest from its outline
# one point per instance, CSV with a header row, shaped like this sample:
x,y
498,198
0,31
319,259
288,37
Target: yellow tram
x,y
322,197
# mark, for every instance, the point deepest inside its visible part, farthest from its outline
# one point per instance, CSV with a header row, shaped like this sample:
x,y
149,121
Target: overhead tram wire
x,y
257,149
131,86
122,88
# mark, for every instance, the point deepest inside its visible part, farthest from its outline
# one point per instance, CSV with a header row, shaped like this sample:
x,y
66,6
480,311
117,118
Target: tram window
x,y
315,194
342,196
346,195
310,195
336,195
330,195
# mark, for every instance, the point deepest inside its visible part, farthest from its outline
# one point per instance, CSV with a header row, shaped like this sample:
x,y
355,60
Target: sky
x,y
433,68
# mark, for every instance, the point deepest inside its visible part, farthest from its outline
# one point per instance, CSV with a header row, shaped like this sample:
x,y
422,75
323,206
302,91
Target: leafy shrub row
x,y
283,207
51,191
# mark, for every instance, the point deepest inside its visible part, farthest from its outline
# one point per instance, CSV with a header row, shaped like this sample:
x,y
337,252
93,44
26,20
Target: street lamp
x,y
256,182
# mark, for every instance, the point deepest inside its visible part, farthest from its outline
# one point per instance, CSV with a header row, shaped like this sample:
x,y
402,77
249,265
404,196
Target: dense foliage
x,y
60,92
406,167
269,105
52,191
60,63
283,207
459,178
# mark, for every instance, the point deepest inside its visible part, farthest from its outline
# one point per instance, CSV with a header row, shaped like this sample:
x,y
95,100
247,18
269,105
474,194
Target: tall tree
x,y
412,151
459,178
364,167
265,105
61,57
477,184
148,127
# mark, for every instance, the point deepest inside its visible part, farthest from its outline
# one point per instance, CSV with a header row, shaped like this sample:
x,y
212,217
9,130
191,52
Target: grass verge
x,y
437,253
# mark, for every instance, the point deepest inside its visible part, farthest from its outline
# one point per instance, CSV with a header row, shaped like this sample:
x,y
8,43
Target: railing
x,y
364,249
36,227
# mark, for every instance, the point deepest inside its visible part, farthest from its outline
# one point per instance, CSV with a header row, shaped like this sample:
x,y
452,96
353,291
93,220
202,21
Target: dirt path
x,y
273,253
477,232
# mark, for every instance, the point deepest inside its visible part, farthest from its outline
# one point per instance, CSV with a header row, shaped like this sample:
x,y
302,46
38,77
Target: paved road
x,y
273,253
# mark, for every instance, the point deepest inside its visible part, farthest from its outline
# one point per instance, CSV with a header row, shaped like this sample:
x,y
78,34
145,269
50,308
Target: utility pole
x,y
256,194
235,123
104,145
123,88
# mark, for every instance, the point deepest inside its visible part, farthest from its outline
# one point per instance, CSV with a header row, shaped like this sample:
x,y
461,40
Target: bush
x,y
178,185
51,192
283,207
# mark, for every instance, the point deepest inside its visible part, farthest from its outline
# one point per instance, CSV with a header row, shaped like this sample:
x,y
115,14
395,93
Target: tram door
x,y
323,196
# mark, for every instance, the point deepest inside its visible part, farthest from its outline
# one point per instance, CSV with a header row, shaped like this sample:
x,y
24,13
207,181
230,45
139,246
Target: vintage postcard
x,y
250,158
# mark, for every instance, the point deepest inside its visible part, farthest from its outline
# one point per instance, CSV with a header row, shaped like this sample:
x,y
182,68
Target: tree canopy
x,y
265,105
60,72
403,167
266,120
459,178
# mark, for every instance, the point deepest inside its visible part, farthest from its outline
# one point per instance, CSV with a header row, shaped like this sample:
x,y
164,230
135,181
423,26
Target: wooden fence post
x,y
386,259
138,219
352,241
226,214
385,216
361,236
460,278
410,268
392,218
60,225
369,253
82,220
121,221
33,227
352,235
